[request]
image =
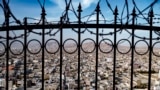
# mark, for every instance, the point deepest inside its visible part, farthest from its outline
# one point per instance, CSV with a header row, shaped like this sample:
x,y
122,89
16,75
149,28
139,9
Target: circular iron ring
x,y
17,46
155,47
66,49
54,40
111,45
146,50
126,40
33,47
86,40
3,52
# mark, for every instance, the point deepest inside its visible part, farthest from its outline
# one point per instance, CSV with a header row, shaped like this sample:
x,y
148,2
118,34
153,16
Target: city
x,y
87,68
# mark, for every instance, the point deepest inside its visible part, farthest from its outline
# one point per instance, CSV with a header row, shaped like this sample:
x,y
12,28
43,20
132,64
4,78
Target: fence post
x,y
133,47
25,52
61,51
7,45
115,46
151,15
79,43
43,44
97,44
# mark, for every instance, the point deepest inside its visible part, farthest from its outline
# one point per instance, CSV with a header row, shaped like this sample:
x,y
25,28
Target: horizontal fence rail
x,y
104,59
54,26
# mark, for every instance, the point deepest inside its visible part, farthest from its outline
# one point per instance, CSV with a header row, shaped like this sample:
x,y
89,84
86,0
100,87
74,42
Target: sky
x,y
55,8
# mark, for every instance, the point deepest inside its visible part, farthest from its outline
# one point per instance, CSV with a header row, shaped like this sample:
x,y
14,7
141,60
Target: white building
x,y
157,83
2,82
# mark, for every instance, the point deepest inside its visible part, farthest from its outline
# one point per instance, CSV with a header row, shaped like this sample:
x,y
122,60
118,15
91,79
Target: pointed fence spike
x,y
98,7
79,8
116,11
134,12
151,13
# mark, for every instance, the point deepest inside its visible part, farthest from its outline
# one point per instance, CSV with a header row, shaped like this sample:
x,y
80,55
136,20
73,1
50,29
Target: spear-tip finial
x,y
134,12
151,13
116,11
98,7
79,8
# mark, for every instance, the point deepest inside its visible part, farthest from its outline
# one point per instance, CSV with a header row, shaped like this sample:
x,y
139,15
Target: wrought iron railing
x,y
62,52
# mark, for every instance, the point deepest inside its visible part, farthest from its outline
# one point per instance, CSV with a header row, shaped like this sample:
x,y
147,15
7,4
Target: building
x,y
157,83
2,84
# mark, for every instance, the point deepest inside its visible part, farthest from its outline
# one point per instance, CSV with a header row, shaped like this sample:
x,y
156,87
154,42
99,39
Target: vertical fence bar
x,y
61,52
7,48
79,44
97,45
133,47
25,52
43,44
151,15
115,46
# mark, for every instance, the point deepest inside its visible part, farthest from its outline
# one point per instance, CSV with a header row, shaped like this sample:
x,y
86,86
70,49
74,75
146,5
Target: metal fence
x,y
23,47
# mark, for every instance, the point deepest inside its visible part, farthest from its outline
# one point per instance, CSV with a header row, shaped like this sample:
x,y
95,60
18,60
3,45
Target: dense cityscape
x,y
87,68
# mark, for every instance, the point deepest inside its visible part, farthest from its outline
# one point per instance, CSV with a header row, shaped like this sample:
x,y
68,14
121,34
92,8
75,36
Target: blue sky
x,y
54,9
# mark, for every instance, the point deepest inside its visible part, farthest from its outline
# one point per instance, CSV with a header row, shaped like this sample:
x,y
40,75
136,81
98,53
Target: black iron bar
x,y
61,52
79,44
115,47
56,26
25,54
43,45
133,47
7,50
97,44
151,15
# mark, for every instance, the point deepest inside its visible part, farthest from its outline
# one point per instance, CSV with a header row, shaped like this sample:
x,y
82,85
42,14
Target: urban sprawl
x,y
87,71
